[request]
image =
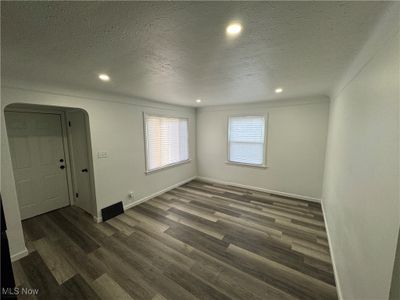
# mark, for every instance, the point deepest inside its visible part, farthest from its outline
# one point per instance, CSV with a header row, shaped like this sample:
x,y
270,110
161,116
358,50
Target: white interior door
x,y
38,159
80,160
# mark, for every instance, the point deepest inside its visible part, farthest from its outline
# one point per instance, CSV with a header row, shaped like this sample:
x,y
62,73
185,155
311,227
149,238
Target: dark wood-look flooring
x,y
198,241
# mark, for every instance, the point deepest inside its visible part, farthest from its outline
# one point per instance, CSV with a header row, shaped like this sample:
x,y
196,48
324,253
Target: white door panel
x,y
24,187
21,154
36,145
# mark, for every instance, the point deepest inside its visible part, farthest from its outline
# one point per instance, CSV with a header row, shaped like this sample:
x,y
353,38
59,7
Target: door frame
x,y
93,212
64,140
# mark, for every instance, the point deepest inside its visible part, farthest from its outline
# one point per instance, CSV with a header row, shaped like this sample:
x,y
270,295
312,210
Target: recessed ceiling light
x,y
234,29
198,100
278,90
104,77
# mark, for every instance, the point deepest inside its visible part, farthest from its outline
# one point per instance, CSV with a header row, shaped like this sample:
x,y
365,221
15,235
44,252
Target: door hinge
x,y
69,123
76,195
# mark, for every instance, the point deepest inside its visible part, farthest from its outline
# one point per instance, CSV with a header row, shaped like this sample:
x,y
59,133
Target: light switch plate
x,y
102,154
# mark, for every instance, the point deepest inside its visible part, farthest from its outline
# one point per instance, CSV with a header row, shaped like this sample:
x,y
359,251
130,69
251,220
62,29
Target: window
x,y
246,139
166,141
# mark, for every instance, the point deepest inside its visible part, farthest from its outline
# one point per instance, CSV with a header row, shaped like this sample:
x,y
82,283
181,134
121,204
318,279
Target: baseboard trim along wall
x,y
211,180
335,272
19,255
128,206
144,199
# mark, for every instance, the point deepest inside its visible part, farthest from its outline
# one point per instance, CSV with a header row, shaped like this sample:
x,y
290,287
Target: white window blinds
x,y
247,140
166,141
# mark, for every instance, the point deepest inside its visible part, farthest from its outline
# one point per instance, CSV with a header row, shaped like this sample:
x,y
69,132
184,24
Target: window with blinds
x,y
246,140
166,141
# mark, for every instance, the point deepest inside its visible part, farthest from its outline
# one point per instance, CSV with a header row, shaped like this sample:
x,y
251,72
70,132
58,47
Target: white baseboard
x,y
144,199
211,180
335,272
97,219
128,206
19,255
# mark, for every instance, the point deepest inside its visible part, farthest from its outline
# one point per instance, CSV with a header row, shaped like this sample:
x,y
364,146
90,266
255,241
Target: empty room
x,y
200,150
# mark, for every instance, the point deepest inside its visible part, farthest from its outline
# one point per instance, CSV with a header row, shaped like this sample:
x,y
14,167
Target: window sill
x,y
246,165
168,166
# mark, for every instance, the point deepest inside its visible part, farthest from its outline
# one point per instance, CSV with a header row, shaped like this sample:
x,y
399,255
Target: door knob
x,y
62,167
85,170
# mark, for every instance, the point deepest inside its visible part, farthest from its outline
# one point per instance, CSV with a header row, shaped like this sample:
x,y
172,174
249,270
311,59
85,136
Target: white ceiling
x,y
177,52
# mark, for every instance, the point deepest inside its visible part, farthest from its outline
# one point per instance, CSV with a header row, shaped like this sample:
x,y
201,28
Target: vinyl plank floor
x,y
77,288
198,241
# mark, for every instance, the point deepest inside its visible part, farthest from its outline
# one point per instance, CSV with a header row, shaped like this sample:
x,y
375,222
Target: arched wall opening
x,y
50,162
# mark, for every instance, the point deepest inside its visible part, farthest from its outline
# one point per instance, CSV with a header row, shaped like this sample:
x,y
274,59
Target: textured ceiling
x,y
177,52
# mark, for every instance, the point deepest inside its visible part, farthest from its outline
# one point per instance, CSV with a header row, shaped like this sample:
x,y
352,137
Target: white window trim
x,y
264,164
146,144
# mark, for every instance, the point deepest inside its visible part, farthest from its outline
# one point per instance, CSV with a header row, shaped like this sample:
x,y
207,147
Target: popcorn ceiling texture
x,y
177,52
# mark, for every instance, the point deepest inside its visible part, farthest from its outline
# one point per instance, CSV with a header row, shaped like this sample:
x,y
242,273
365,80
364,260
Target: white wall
x,y
116,126
361,187
9,197
296,139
